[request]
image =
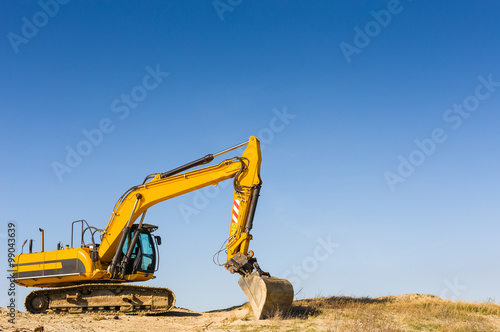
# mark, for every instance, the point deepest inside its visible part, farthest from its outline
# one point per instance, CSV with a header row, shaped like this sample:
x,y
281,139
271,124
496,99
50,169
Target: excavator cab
x,y
143,250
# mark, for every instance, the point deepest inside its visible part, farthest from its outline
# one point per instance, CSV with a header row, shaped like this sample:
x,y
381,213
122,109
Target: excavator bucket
x,y
267,295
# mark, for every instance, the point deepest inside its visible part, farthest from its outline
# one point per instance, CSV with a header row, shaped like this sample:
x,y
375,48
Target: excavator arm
x,y
264,292
163,186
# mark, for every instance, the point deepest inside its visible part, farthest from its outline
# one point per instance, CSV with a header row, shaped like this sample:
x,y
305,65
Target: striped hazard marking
x,y
236,211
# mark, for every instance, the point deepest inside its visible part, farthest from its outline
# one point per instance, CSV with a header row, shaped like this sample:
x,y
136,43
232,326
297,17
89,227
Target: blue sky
x,y
351,203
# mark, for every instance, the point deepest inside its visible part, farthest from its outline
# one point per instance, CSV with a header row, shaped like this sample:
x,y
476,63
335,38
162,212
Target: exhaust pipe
x,y
41,239
22,248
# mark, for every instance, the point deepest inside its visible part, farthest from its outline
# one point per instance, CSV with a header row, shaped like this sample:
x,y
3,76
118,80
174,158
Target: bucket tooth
x,y
267,294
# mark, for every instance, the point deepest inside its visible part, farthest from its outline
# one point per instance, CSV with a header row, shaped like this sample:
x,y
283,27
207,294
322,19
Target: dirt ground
x,y
178,319
410,312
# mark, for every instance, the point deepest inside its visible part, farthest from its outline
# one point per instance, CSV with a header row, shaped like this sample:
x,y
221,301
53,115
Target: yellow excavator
x,y
95,277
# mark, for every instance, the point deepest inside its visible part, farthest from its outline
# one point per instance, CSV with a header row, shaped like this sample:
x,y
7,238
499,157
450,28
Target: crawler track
x,y
101,298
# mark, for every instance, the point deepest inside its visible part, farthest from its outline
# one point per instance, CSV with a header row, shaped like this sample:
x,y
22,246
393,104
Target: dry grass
x,y
411,312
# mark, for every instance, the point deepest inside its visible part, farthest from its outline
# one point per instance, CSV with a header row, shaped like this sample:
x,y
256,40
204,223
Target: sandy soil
x,y
409,312
178,319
